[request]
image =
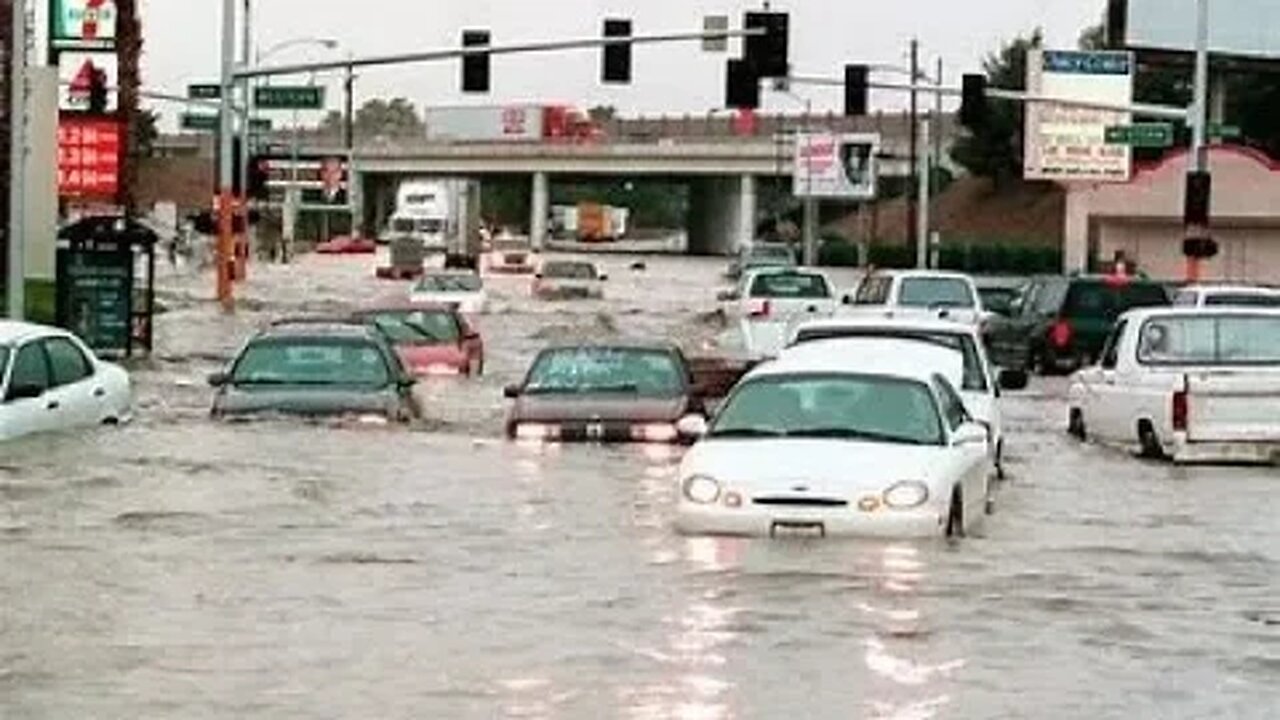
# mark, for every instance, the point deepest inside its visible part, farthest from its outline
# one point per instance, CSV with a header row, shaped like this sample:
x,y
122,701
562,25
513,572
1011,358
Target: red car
x,y
347,245
430,339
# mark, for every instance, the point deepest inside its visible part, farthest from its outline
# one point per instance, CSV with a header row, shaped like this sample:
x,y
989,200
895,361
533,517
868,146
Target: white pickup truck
x,y
1193,385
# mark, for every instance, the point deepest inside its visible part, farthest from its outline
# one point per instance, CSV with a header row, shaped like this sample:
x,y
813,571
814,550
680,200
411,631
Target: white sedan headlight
x,y
906,495
702,489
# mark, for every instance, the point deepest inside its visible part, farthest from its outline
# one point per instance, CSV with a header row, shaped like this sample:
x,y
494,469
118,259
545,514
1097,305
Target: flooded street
x,y
181,568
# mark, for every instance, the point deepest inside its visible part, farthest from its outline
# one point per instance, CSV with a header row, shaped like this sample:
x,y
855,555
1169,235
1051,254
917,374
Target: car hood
x,y
598,408
304,401
824,467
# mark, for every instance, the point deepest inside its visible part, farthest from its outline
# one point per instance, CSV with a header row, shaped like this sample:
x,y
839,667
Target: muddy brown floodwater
x,y
179,568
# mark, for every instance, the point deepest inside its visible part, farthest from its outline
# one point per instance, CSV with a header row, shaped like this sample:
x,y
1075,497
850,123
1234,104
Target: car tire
x,y
1149,447
1000,472
955,516
1075,425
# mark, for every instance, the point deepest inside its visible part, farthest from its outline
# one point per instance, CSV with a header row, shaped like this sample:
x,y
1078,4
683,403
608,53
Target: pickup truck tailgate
x,y
1237,407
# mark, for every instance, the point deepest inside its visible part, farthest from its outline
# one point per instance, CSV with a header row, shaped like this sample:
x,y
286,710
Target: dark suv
x,y
1061,323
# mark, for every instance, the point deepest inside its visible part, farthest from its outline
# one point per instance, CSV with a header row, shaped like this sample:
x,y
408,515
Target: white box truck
x,y
443,214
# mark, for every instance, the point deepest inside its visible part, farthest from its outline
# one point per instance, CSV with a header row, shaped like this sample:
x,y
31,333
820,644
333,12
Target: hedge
x,y
977,258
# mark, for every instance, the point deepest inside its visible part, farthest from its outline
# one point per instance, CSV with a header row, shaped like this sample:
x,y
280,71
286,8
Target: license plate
x,y
797,529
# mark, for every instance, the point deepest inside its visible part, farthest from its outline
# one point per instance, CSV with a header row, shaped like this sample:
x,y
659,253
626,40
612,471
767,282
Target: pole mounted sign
x,y
289,97
1065,143
83,24
836,166
1143,135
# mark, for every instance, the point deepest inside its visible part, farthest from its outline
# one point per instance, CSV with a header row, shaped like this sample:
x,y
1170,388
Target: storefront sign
x,y
89,158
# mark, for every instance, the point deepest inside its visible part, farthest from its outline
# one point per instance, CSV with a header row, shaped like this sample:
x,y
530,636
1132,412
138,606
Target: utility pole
x,y
922,219
246,125
1198,227
17,276
914,122
354,199
226,171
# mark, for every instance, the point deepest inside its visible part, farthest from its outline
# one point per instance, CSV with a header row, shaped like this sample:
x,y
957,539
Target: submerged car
x,y
511,256
463,290
49,381
569,280
604,393
808,446
430,339
761,255
316,368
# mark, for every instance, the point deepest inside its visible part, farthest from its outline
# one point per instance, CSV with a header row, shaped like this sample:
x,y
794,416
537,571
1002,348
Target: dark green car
x,y
1060,324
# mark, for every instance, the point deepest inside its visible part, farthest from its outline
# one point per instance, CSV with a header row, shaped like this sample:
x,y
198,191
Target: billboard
x,y
840,167
1070,144
75,73
83,23
1244,28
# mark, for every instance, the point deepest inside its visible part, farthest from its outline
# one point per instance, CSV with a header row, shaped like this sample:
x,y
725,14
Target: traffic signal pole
x,y
1197,225
226,170
17,276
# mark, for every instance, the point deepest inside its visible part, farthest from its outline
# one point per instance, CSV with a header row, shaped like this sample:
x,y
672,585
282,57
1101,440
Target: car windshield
x,y
511,245
652,373
936,293
4,361
770,252
417,327
855,407
430,225
449,283
1100,299
974,380
1242,300
312,361
569,271
787,285
1201,340
998,300
402,225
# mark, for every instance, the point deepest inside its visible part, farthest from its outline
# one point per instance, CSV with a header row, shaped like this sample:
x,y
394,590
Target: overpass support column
x,y
539,210
747,203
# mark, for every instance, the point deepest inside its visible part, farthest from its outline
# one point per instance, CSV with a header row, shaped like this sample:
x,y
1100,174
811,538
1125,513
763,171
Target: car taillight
x,y
1060,334
762,309
1181,411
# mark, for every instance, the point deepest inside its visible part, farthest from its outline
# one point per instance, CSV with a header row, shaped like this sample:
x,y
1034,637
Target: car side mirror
x,y
846,300
406,383
219,379
1013,380
511,392
970,433
604,278
24,392
692,427
537,276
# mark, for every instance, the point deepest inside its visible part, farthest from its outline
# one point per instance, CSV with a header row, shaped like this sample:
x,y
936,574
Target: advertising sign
x,y
1245,28
1068,143
89,158
75,75
83,23
833,166
322,180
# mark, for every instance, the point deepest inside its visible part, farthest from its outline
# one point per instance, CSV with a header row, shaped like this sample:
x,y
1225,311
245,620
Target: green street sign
x,y
1225,132
260,125
1144,135
200,122
204,91
289,97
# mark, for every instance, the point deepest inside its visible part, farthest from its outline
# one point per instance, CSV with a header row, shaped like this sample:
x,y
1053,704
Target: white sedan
x,y
464,290
807,446
979,383
50,381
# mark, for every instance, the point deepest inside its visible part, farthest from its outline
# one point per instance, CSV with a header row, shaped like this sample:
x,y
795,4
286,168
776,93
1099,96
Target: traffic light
x,y
1200,248
475,67
855,90
768,54
973,103
98,92
259,175
742,86
617,56
1196,203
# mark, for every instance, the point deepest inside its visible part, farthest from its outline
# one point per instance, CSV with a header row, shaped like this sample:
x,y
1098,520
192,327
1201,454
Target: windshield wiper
x,y
850,434
748,433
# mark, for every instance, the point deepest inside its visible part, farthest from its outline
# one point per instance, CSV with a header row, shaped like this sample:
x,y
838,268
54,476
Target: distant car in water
x,y
511,256
760,255
1059,324
915,293
347,245
1227,296
429,338
569,280
49,381
463,290
604,393
316,368
767,302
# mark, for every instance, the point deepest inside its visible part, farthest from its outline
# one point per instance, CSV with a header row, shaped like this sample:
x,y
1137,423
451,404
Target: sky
x,y
182,44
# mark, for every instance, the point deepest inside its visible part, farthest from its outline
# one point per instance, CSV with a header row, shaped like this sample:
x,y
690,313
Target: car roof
x,y
1144,314
619,345
931,324
784,270
864,356
13,331
320,327
922,274
403,305
1234,289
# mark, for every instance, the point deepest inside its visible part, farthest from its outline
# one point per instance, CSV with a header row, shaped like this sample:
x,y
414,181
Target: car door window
x,y
67,362
953,410
874,291
30,368
1111,351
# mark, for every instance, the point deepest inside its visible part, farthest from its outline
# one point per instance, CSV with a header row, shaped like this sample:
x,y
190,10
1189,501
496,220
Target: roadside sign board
x,y
97,290
715,24
322,180
75,72
289,97
1143,135
1225,132
200,122
836,166
83,24
89,152
1070,143
204,91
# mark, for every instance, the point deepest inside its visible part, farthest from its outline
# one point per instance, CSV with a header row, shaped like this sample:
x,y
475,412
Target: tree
x,y
397,118
994,149
145,132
